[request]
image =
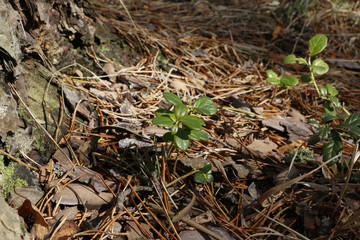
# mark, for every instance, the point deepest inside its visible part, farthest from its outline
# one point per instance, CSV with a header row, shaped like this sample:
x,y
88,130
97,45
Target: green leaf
x,y
204,176
181,139
174,129
165,113
306,79
162,112
200,178
314,139
332,148
335,101
324,132
188,99
164,121
319,67
301,60
317,43
329,108
209,177
323,91
289,80
289,59
355,131
353,118
192,122
314,121
207,168
328,117
352,123
172,98
180,110
198,135
331,90
205,105
168,137
272,77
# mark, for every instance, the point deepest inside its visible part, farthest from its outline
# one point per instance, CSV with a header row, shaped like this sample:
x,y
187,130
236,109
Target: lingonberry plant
x,y
183,124
328,130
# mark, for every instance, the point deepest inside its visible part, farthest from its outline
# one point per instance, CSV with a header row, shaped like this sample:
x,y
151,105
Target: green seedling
x,y
204,176
349,128
182,123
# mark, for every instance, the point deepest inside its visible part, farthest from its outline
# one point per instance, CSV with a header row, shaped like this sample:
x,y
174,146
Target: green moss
x,y
7,183
39,142
304,155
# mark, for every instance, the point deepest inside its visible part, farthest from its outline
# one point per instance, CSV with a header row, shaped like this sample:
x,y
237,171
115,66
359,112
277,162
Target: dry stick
x,y
293,160
181,178
287,184
17,160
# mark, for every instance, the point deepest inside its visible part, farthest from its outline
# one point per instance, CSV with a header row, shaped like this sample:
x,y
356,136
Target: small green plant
x,y
183,125
204,176
329,128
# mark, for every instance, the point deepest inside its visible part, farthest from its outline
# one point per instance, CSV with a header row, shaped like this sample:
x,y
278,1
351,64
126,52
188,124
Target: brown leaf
x,y
134,231
40,228
276,32
262,147
79,194
109,69
66,231
74,98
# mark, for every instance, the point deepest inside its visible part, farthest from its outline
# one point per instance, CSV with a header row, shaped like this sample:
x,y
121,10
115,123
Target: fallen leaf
x,y
295,129
109,69
179,85
276,32
88,176
79,194
296,116
73,98
154,131
66,231
262,147
32,193
39,227
133,143
134,231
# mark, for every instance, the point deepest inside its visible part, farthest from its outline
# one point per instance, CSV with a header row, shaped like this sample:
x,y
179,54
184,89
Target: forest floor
x,y
112,176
